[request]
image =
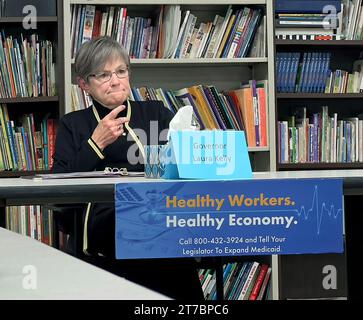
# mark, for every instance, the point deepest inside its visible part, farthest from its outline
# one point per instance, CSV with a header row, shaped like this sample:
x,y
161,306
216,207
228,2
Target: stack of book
x,y
238,109
207,278
27,67
308,20
172,33
241,281
79,98
302,72
24,146
246,281
341,81
310,72
320,137
34,221
352,20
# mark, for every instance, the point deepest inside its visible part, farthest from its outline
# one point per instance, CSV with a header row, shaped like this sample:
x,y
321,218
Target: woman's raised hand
x,y
109,128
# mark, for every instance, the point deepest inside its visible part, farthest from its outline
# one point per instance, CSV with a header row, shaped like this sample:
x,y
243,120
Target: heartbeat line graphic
x,y
331,212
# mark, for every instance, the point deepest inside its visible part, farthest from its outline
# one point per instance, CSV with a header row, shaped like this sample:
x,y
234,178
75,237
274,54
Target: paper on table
x,y
86,174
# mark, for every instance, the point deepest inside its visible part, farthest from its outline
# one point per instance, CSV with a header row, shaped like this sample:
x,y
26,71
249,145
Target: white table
x,y
57,275
19,191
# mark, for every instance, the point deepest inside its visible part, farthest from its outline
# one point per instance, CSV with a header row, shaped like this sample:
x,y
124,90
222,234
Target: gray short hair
x,y
93,55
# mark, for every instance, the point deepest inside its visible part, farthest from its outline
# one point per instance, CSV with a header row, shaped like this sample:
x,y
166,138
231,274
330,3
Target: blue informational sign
x,y
206,154
228,218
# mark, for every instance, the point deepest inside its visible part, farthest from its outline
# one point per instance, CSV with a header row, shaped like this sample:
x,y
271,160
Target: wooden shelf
x,y
319,166
336,43
196,61
258,149
20,19
29,99
155,2
319,96
16,174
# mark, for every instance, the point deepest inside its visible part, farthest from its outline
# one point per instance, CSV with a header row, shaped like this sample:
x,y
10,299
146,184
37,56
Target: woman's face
x,y
113,92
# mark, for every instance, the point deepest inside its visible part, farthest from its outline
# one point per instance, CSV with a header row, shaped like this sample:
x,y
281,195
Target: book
x,y
15,155
3,165
243,22
222,31
232,277
218,24
181,35
247,286
239,280
245,43
220,107
201,31
258,284
51,141
231,106
261,93
306,6
185,42
232,34
245,104
3,120
225,37
265,282
213,107
88,23
203,108
206,32
170,27
185,98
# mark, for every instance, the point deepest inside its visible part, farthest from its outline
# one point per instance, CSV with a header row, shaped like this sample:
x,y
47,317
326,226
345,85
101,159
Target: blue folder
x,y
305,6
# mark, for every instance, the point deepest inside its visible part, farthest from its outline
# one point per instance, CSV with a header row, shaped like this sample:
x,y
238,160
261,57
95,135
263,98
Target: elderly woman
x,y
102,136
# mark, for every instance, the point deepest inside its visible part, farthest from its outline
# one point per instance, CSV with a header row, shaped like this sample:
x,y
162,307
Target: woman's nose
x,y
114,78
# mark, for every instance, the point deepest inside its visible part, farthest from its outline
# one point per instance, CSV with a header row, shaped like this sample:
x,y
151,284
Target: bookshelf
x,y
175,74
20,19
47,28
178,73
46,102
346,105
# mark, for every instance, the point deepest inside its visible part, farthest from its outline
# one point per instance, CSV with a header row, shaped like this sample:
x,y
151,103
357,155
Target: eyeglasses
x,y
106,75
121,171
